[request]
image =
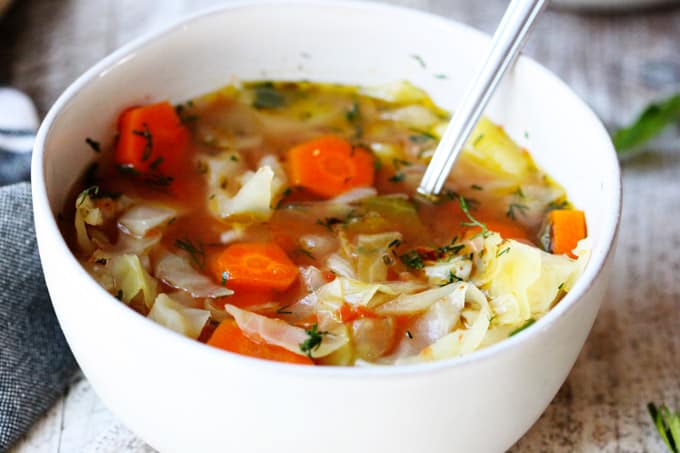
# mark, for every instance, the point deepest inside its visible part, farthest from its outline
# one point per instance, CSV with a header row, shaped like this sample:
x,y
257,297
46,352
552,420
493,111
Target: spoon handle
x,y
505,47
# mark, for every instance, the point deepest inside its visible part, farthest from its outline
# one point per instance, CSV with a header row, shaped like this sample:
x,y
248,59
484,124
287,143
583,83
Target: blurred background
x,y
618,55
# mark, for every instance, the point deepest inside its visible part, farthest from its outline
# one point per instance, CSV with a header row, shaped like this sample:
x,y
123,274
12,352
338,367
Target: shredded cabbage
x,y
176,271
141,219
174,315
280,333
372,248
131,278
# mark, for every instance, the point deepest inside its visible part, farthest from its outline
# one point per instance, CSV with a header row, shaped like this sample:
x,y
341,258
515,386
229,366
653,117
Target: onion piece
x,y
354,195
176,271
142,218
280,333
173,315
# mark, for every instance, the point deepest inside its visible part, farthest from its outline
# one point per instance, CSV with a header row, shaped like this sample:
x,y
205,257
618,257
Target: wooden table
x,y
617,63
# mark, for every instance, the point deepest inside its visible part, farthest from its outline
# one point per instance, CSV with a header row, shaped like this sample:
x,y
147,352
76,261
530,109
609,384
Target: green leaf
x,y
268,97
651,122
667,424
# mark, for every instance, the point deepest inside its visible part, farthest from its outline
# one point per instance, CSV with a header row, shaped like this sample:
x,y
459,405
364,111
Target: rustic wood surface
x,y
617,63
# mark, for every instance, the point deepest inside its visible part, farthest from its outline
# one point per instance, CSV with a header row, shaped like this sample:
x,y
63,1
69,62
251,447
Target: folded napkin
x,y
35,361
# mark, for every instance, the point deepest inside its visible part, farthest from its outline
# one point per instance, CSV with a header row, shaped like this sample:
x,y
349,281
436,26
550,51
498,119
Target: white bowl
x,y
180,395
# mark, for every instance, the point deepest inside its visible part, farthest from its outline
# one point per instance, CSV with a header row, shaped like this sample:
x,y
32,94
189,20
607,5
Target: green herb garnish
x,y
283,311
312,343
519,329
268,97
196,251
353,114
502,252
96,147
667,424
476,187
651,122
409,335
515,208
412,259
148,138
225,277
397,177
419,59
473,222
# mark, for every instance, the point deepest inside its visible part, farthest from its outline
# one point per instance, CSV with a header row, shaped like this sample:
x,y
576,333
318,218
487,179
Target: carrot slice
x,y
329,166
255,266
151,138
567,227
229,337
508,230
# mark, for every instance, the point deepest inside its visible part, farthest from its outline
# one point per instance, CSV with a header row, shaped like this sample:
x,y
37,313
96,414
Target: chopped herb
x,y
283,311
667,424
305,252
519,329
312,343
225,277
419,59
557,205
478,139
412,259
518,192
148,138
453,278
502,252
397,177
287,192
96,147
421,137
377,163
387,259
441,76
473,222
513,208
267,97
233,158
119,294
195,251
561,287
90,192
651,122
156,162
353,114
450,249
183,115
158,180
128,170
394,243
526,135
476,187
398,163
328,222
409,335
101,261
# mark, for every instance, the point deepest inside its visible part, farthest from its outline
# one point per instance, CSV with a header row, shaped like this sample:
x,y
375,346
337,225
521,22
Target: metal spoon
x,y
507,42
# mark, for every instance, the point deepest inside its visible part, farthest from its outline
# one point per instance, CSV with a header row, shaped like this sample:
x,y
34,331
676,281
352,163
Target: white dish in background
x,y
180,395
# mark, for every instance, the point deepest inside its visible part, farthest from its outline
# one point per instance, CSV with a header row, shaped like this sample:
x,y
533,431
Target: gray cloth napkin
x,y
35,361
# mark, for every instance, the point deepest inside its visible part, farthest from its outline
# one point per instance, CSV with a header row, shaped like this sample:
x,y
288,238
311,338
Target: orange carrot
x,y
151,138
254,266
349,312
567,227
329,166
229,337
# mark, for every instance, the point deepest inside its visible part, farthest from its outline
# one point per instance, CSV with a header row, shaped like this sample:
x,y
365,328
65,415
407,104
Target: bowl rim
x,y
49,229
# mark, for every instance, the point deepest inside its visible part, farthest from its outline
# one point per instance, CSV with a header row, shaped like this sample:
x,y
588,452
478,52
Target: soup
x,y
279,220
